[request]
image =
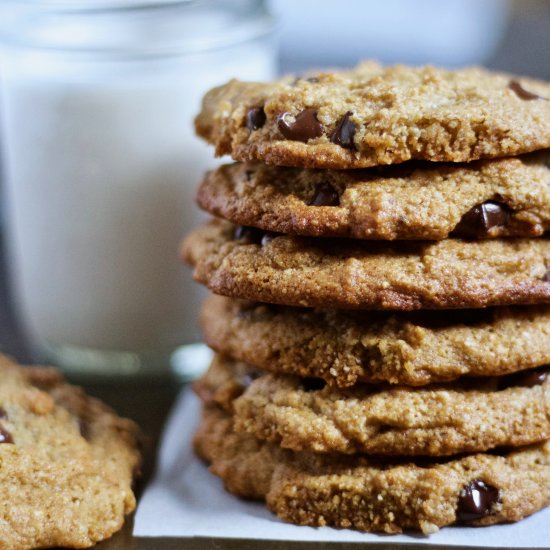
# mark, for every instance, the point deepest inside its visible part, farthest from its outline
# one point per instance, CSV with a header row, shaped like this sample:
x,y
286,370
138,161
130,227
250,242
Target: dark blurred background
x,y
525,45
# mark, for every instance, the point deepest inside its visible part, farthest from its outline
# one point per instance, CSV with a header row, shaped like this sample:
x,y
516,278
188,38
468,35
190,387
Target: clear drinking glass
x,y
101,164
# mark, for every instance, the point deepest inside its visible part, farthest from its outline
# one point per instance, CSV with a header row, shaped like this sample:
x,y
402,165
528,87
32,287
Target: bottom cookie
x,y
376,494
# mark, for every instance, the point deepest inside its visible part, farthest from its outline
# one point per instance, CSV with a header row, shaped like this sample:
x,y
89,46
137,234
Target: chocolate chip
x,y
325,195
521,92
305,126
5,436
344,133
250,234
476,500
3,413
313,384
248,174
546,277
255,118
84,428
524,379
479,220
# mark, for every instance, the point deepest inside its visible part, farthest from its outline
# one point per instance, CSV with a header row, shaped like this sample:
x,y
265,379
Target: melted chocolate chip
x,y
478,221
476,500
3,413
248,175
344,132
84,428
305,126
250,234
325,195
313,384
255,118
546,277
5,436
524,379
521,92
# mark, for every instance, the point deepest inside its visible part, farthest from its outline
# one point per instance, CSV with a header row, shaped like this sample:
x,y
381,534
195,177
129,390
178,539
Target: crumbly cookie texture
x,y
68,462
371,275
306,415
375,494
224,381
345,347
375,115
485,199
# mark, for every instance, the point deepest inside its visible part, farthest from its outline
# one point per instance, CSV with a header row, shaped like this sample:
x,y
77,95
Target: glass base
x,y
184,363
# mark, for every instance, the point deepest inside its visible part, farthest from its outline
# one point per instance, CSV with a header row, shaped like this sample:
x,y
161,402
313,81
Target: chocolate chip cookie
x,y
303,414
386,495
344,347
453,273
485,199
68,462
374,115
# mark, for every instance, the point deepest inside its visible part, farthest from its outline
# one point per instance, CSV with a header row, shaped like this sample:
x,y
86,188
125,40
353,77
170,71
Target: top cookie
x,y
374,115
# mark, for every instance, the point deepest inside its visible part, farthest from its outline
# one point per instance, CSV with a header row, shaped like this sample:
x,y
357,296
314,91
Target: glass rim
x,y
263,24
75,6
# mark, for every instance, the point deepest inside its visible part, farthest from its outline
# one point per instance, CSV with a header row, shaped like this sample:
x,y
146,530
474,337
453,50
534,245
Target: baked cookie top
x,y
484,199
304,414
346,347
389,495
338,273
374,115
68,462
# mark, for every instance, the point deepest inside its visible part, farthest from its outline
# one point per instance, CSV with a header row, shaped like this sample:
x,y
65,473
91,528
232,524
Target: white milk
x,y
101,166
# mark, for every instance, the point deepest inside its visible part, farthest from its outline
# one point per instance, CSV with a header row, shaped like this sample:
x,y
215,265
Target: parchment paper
x,y
185,500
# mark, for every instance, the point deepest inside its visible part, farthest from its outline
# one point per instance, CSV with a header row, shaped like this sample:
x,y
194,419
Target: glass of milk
x,y
101,165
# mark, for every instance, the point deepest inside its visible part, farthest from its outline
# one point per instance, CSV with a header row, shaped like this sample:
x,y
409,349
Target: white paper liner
x,y
185,500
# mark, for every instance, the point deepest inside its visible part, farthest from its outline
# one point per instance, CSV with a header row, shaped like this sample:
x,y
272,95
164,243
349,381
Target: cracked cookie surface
x,y
338,273
345,347
374,115
486,199
68,462
385,495
304,414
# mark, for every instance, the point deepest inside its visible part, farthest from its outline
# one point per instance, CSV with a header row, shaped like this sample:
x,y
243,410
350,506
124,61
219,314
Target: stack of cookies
x,y
383,328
